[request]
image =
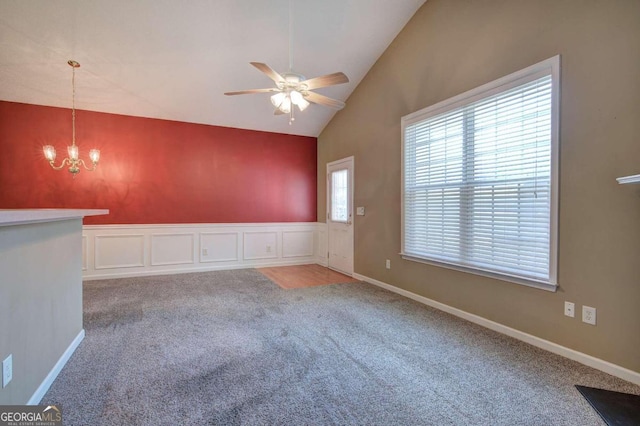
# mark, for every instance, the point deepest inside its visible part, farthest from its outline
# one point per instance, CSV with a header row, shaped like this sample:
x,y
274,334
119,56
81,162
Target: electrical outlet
x,y
589,315
205,252
388,264
7,370
570,309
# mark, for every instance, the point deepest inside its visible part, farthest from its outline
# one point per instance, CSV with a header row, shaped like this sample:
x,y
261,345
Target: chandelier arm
x,y
64,163
89,169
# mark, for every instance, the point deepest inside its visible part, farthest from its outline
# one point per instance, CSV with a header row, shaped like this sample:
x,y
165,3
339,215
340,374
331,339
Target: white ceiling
x,y
174,59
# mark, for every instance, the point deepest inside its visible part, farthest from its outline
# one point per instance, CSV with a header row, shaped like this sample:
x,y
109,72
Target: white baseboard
x,y
322,261
147,273
588,360
46,383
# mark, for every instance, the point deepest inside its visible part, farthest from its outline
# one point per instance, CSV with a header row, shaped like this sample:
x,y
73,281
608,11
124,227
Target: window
x,y
339,201
480,179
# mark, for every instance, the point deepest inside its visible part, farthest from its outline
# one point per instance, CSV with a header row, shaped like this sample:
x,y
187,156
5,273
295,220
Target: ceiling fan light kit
x,y
292,88
290,94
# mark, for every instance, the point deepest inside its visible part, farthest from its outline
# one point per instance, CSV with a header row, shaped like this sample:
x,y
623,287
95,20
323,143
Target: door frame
x,y
350,161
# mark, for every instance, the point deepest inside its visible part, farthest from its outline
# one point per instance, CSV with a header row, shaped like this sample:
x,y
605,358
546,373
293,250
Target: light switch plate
x,y
569,309
360,211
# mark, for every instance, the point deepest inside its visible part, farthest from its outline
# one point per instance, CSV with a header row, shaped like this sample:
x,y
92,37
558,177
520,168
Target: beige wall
x,y
40,300
451,46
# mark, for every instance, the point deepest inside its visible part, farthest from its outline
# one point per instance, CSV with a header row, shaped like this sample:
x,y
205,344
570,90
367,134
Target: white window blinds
x,y
479,182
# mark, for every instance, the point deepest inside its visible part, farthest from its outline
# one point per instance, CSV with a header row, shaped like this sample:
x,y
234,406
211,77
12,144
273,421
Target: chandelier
x,y
73,161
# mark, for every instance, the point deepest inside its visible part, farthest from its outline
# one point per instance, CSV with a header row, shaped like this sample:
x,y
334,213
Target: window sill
x,y
503,277
629,179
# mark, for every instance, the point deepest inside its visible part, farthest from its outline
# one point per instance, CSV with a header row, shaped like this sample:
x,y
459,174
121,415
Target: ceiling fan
x,y
292,88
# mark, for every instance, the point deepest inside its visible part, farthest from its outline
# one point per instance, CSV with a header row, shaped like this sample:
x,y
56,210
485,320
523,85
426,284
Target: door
x,y
340,215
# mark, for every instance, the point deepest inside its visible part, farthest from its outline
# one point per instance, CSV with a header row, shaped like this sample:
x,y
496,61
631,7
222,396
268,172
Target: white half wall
x,y
116,251
40,302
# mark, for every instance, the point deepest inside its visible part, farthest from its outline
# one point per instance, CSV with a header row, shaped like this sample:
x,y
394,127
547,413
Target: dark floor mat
x,y
615,408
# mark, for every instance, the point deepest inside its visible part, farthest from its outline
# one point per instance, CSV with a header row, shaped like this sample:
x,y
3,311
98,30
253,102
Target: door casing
x,y
339,233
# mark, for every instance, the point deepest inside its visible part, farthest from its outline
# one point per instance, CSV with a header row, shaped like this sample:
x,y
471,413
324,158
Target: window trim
x,y
549,66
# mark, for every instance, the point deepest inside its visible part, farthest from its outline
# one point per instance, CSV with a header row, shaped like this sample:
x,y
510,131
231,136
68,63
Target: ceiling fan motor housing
x,y
292,81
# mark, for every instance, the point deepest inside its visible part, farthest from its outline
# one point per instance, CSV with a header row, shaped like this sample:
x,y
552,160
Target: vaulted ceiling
x,y
174,59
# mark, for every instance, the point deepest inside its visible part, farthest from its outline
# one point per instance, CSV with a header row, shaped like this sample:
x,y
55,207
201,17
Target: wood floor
x,y
302,276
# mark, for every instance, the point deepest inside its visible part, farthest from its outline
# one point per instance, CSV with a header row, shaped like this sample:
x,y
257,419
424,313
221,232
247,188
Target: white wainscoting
x,y
117,251
219,247
322,244
260,245
172,249
114,251
297,243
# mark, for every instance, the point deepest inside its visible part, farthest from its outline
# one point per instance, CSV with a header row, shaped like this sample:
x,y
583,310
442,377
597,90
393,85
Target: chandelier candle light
x,y
73,161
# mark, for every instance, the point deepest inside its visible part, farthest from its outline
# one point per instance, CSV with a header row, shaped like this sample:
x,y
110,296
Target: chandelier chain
x,y
73,105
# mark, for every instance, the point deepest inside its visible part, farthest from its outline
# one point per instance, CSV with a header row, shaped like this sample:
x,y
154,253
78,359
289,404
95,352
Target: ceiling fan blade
x,y
326,80
323,100
278,112
268,71
247,92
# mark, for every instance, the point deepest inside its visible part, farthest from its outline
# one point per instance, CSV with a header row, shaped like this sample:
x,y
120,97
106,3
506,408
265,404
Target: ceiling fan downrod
x,y
291,117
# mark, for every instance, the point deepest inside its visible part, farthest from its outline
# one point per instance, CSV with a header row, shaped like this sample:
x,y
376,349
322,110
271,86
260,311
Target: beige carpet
x,y
232,348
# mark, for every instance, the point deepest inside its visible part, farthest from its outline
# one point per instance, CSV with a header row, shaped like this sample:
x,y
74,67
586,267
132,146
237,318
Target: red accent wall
x,y
156,171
